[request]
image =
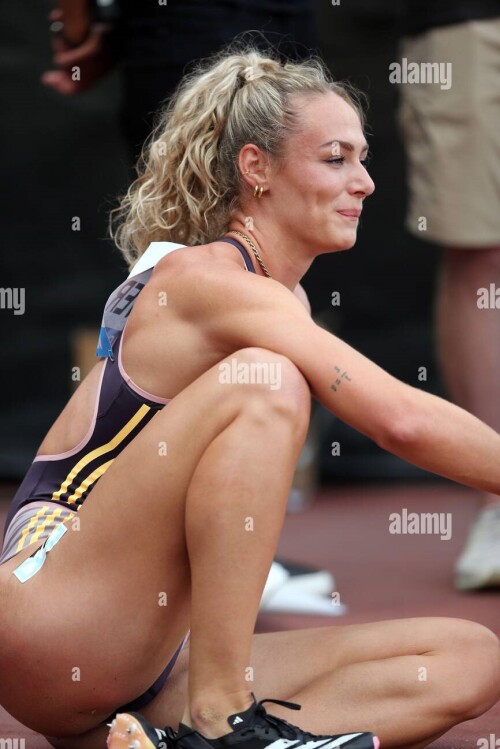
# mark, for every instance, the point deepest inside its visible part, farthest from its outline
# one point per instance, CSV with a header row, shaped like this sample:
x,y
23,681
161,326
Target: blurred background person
x,y
452,138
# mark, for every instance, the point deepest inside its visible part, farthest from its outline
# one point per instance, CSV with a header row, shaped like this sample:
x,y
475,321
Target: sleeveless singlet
x,y
121,409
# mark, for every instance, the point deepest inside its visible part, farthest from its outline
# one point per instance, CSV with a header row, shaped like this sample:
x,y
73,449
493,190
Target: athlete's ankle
x,y
208,715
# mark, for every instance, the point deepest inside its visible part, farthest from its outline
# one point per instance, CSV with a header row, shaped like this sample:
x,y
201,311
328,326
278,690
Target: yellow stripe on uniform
x,y
31,525
91,478
119,437
43,525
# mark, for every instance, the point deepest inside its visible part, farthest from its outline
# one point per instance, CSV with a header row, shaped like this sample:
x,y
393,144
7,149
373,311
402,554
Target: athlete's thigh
x,y
112,599
113,594
284,663
126,549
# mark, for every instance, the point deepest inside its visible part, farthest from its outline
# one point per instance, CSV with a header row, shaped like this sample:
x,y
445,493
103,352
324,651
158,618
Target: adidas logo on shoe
x,y
237,720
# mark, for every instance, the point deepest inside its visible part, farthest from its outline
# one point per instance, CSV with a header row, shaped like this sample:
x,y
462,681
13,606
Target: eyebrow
x,y
344,144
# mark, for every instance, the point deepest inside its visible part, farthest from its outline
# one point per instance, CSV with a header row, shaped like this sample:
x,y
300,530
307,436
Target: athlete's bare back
x,y
161,353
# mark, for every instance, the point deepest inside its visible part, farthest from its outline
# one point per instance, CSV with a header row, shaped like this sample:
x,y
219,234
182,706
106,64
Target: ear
x,y
252,160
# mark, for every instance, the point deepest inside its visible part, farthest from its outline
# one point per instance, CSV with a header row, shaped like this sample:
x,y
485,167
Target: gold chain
x,y
255,251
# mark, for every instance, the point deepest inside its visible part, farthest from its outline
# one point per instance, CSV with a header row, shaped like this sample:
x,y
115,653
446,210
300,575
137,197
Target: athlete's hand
x,y
79,68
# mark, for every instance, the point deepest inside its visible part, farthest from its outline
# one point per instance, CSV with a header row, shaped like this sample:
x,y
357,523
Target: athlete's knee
x,y
268,384
477,686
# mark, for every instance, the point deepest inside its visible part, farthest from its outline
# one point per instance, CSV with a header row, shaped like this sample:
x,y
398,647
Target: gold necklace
x,y
255,251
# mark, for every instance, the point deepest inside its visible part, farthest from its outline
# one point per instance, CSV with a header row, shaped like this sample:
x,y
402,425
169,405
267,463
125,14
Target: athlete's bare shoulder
x,y
212,279
202,258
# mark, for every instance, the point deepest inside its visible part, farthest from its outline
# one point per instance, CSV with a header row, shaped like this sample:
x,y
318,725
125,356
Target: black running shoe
x,y
251,729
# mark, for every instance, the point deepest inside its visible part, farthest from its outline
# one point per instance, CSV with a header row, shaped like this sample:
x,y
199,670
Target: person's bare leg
x,y
130,550
408,680
468,338
468,348
234,510
406,700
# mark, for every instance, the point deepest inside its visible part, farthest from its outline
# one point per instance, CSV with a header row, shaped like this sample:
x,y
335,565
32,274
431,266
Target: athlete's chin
x,y
345,241
337,241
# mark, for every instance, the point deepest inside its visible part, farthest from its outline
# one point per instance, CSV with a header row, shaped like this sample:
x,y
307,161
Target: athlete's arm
x,y
301,295
237,311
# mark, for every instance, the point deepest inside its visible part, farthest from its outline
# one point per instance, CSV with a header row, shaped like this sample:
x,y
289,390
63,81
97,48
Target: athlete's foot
x,y
251,729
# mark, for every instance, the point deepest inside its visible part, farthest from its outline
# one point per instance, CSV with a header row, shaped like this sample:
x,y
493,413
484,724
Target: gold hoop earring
x,y
257,191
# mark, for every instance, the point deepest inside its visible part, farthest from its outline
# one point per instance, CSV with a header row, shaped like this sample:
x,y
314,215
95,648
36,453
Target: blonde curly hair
x,y
188,183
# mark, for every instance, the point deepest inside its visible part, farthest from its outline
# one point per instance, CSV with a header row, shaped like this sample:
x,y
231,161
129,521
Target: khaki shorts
x,y
452,136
